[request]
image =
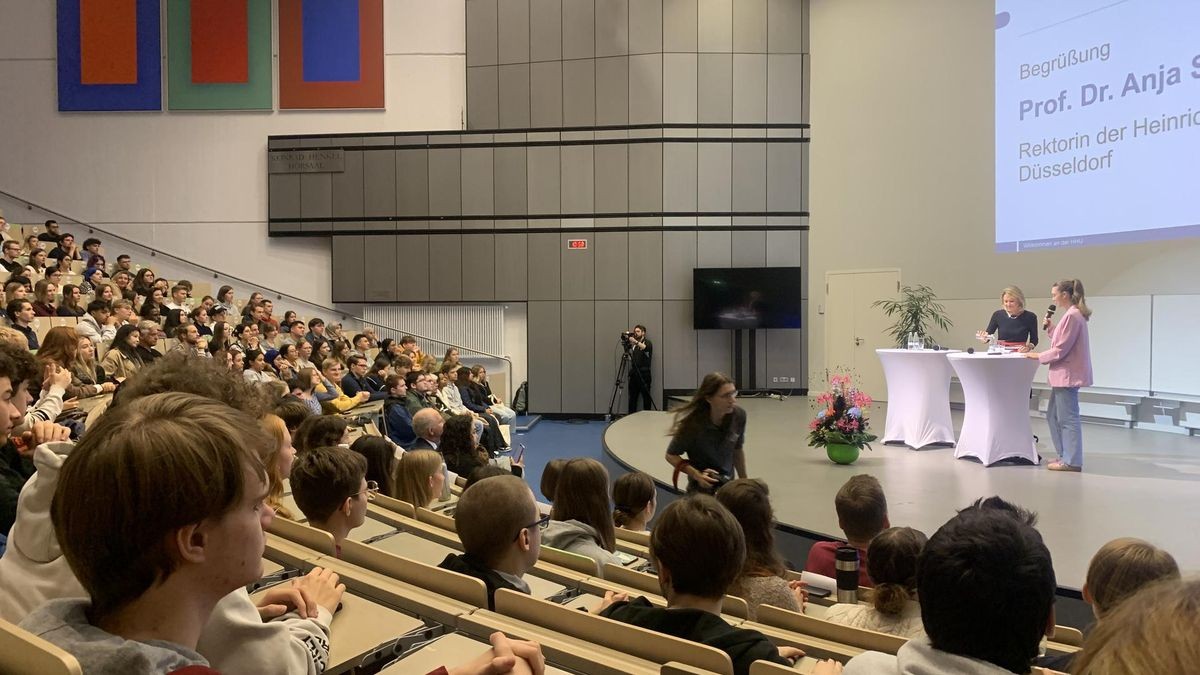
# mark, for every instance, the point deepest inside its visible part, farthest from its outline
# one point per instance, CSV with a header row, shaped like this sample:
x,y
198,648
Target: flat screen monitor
x,y
746,297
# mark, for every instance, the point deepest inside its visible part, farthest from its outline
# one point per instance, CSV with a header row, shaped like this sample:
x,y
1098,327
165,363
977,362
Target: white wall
x,y
195,184
902,165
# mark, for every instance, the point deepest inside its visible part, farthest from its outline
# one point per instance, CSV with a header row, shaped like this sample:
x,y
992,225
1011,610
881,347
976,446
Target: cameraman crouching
x,y
710,430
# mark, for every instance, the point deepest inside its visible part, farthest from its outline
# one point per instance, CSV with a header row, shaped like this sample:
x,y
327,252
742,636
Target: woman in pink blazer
x,y
1070,361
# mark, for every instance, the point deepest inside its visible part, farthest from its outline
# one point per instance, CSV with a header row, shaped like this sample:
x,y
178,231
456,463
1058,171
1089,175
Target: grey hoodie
x,y
576,537
63,623
918,657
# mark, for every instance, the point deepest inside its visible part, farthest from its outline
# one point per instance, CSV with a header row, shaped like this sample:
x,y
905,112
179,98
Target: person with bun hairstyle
x,y
1070,361
892,562
633,501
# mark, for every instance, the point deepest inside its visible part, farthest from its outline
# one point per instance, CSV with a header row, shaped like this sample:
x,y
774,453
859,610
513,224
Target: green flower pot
x,y
842,453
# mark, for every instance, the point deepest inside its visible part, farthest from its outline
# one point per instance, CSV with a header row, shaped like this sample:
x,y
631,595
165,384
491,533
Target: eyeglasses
x,y
372,490
541,524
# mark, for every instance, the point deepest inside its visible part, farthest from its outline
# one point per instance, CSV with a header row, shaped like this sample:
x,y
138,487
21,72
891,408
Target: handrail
x,y
279,295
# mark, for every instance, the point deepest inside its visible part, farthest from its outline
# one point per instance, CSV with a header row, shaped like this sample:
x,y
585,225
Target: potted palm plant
x,y
916,311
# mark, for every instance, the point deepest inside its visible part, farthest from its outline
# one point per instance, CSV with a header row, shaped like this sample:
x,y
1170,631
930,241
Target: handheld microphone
x,y
1049,313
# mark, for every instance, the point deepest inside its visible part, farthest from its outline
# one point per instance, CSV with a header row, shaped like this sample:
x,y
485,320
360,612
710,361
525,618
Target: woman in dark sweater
x,y
1013,326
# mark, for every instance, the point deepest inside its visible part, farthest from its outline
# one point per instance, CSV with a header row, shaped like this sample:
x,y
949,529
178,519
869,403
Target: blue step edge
x,y
523,423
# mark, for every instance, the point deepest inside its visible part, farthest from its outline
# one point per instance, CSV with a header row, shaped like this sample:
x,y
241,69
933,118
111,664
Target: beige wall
x,y
902,166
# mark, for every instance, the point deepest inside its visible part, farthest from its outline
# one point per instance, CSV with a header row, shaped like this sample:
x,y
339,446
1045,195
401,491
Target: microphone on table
x,y
970,350
1049,313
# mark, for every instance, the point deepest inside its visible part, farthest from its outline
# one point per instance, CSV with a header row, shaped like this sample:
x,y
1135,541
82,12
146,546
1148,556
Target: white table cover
x,y
996,389
918,397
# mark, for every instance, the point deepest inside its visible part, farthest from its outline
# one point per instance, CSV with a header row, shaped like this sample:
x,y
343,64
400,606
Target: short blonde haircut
x,y
1016,293
412,476
1123,566
1152,632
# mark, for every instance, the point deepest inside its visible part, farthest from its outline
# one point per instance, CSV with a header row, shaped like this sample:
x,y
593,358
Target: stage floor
x,y
1135,483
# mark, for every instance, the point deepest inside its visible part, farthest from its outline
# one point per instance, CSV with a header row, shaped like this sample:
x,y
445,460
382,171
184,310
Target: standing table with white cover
x,y
918,403
996,400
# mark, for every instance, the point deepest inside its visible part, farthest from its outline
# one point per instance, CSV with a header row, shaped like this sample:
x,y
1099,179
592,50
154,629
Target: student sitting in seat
x,y
398,419
761,581
153,586
862,514
330,486
699,551
893,567
581,518
1153,631
633,501
419,478
500,528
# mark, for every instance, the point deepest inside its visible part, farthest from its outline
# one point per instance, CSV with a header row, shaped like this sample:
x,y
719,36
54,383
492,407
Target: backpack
x,y
521,400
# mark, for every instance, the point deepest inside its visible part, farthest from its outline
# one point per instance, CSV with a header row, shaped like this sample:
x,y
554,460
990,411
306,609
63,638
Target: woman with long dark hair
x,y
122,360
461,449
381,462
143,282
762,579
222,337
710,430
581,518
71,297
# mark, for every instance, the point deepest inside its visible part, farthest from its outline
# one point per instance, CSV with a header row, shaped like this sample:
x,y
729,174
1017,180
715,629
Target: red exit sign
x,y
577,244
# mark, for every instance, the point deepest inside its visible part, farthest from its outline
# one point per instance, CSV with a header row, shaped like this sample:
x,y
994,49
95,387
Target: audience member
x,y
460,447
147,339
94,255
179,297
316,333
481,472
862,514
124,283
1153,631
20,317
398,422
356,380
35,268
11,251
330,486
502,412
43,298
93,279
86,370
419,477
633,501
124,264
550,474
293,412
381,462
51,232
987,598
199,317
278,463
123,358
188,341
72,296
409,347
319,431
699,552
257,370
337,400
762,579
66,249
892,564
17,369
500,528
581,518
428,425
95,324
225,299
61,349
304,386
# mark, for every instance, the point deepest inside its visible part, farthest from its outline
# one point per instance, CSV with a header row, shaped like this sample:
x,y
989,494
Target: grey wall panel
x,y
545,30
379,182
511,190
579,29
544,180
412,182
645,265
545,281
646,89
784,357
714,354
579,93
750,26
645,177
481,32
479,267
785,87
785,26
612,178
512,28
348,190
512,256
785,183
578,267
785,248
445,176
412,252
649,313
678,261
676,346
645,26
679,25
715,26
483,97
545,348
749,88
679,88
316,200
445,256
379,268
749,176
578,182
284,195
679,177
612,317
514,97
714,88
612,27
749,249
612,265
714,176
612,90
347,269
477,183
545,94
579,348
713,248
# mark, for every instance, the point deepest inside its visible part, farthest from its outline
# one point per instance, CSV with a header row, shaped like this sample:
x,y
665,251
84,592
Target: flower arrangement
x,y
842,419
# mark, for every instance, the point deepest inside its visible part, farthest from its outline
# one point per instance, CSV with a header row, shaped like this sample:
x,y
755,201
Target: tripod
x,y
619,384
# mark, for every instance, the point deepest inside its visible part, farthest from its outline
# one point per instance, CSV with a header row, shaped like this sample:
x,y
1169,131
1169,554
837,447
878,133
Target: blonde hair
x,y
1123,566
412,476
1074,288
1015,292
1153,632
277,428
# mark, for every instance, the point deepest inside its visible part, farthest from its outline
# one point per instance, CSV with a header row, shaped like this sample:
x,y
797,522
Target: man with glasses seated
x,y
330,486
501,531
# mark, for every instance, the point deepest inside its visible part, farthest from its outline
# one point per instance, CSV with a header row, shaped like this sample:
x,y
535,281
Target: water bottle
x,y
846,564
445,496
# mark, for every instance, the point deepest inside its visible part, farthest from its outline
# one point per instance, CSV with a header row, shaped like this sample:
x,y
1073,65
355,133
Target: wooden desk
x,y
415,548
450,650
370,528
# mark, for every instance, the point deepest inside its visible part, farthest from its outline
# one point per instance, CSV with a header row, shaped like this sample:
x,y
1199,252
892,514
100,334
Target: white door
x,y
854,329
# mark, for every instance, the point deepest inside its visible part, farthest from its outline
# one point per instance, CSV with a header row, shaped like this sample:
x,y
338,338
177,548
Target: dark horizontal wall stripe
x,y
539,144
553,216
543,230
537,130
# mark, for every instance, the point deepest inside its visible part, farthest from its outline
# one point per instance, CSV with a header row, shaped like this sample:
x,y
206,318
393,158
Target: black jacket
x,y
467,564
742,645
